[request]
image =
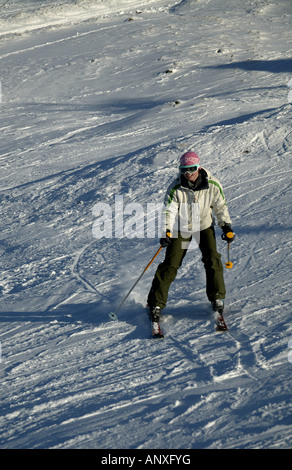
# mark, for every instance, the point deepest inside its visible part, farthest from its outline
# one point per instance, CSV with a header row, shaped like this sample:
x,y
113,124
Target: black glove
x,y
228,235
166,240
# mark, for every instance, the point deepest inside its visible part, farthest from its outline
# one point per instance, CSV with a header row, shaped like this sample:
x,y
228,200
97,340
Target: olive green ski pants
x,y
175,252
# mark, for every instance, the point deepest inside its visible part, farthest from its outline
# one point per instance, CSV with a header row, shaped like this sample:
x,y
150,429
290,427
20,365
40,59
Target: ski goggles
x,y
189,169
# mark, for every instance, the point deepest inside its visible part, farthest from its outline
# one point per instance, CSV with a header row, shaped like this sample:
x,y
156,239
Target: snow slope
x,y
99,99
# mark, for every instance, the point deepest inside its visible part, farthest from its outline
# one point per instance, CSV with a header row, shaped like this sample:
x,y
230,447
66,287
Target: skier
x,y
194,184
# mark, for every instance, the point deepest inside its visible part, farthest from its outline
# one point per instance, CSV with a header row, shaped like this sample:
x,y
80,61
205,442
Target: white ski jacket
x,y
190,210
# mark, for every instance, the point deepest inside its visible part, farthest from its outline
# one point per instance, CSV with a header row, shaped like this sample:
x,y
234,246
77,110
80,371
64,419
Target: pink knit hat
x,y
189,159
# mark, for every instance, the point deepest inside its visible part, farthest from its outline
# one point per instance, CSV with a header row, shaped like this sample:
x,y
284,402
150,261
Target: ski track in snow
x,y
100,99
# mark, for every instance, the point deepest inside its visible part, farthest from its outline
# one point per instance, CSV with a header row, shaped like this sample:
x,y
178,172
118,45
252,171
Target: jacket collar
x,y
200,183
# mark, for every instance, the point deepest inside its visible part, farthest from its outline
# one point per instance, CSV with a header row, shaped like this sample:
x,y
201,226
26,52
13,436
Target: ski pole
x,y
229,264
113,315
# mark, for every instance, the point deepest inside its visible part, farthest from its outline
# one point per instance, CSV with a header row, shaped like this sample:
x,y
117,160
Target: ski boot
x,y
154,313
218,305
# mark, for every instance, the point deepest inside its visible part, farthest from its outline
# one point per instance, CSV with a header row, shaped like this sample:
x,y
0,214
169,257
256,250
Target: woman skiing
x,y
194,187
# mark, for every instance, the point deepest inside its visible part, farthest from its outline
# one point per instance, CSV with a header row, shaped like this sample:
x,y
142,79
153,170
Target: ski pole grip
x,y
230,235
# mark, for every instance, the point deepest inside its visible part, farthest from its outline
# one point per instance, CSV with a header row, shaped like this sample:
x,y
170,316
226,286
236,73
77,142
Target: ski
x,y
156,330
220,323
218,307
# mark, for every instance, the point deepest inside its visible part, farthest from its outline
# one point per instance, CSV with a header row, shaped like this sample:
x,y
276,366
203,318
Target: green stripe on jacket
x,y
218,186
171,194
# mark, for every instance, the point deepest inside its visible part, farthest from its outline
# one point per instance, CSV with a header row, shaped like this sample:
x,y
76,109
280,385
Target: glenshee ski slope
x,y
88,112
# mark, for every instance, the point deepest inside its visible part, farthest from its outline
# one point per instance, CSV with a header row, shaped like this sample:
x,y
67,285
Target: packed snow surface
x,y
99,99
